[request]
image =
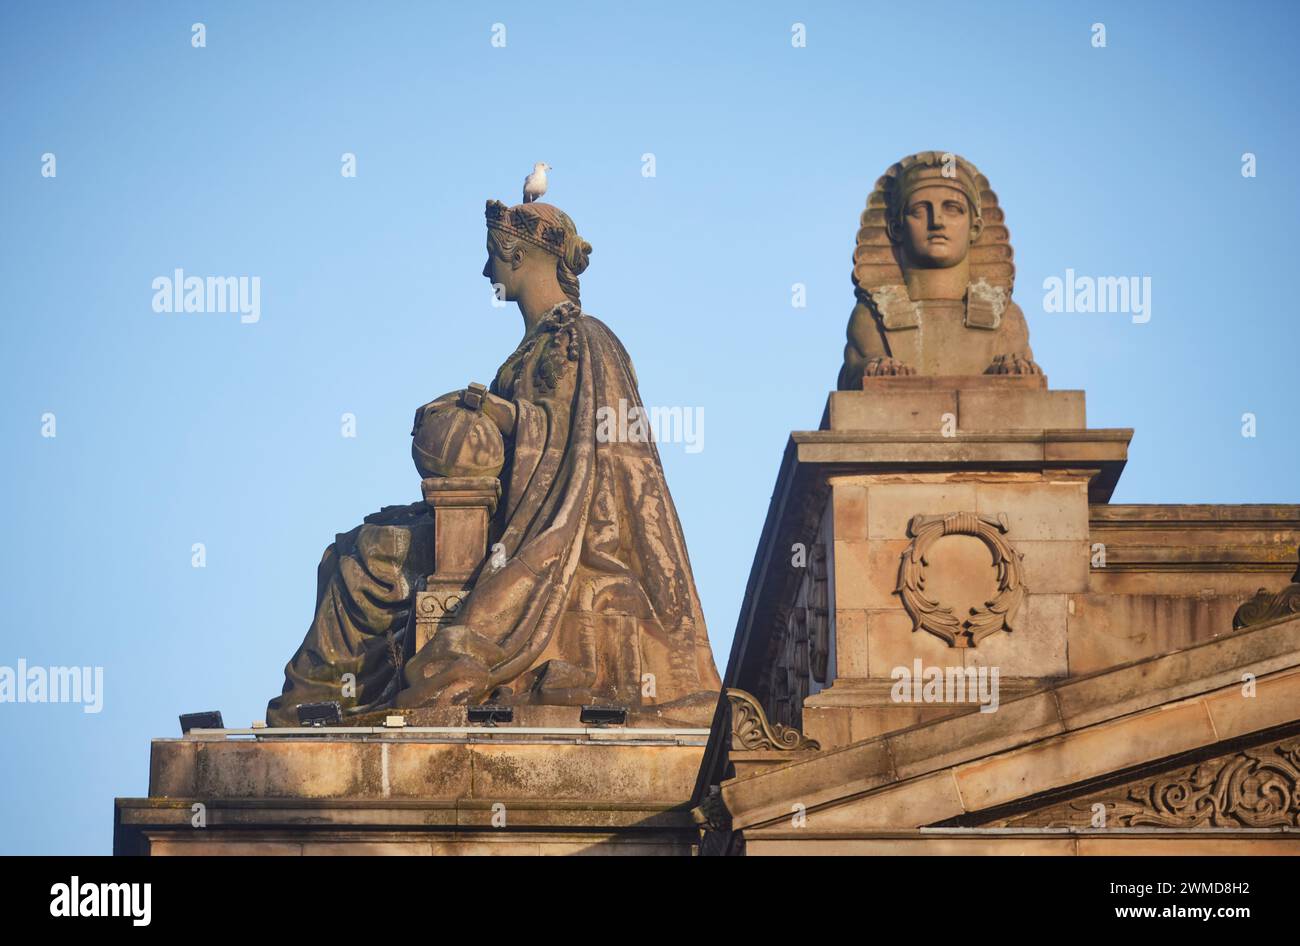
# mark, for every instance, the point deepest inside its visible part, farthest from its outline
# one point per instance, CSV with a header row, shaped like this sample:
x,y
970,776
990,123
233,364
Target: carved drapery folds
x,y
996,614
750,729
1252,788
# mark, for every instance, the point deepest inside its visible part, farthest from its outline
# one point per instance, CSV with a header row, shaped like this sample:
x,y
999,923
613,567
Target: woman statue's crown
x,y
519,222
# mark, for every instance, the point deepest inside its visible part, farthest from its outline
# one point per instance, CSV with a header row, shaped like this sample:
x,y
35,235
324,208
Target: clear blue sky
x,y
176,429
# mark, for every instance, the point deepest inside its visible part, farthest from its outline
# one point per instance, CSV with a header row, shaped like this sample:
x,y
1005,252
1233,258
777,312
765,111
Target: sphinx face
x,y
937,229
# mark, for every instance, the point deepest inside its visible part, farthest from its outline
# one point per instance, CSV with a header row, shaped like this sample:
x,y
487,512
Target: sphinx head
x,y
934,212
533,248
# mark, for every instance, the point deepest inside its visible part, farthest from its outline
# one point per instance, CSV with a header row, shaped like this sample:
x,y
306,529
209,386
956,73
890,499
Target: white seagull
x,y
535,183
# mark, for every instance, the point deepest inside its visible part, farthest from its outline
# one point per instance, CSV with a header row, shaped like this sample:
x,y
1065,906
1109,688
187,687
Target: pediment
x,y
1202,738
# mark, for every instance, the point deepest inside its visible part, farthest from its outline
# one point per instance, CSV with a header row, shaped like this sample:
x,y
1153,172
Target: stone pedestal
x,y
975,402
959,561
462,508
950,516
448,790
959,525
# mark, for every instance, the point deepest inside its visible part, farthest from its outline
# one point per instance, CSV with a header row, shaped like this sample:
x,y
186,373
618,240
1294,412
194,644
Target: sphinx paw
x,y
886,368
1013,363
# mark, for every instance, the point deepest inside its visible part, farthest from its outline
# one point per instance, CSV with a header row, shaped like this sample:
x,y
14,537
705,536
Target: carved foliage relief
x,y
928,613
1252,788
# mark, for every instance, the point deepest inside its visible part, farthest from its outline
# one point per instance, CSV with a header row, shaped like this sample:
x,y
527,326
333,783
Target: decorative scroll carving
x,y
1268,607
1253,788
1265,606
750,729
436,608
996,614
439,603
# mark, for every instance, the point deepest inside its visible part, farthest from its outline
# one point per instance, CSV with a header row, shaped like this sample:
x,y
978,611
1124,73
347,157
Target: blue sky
x,y
174,429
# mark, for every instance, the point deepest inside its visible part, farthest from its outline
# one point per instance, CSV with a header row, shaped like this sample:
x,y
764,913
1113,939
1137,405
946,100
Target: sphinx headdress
x,y
877,260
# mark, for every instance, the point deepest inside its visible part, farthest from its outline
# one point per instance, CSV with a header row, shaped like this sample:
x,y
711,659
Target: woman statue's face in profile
x,y
500,273
936,227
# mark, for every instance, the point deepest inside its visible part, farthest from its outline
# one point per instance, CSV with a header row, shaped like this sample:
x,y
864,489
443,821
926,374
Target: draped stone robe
x,y
596,601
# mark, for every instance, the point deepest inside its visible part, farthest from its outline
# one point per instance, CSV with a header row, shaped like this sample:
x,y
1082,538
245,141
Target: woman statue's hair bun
x,y
577,254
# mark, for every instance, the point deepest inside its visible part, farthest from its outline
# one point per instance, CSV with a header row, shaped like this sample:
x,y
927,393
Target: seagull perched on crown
x,y
535,183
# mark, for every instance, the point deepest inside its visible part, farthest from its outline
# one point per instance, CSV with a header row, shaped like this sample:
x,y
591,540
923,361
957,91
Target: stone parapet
x,y
447,790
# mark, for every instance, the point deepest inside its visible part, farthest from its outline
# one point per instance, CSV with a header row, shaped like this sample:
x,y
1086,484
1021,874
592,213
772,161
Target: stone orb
x,y
458,441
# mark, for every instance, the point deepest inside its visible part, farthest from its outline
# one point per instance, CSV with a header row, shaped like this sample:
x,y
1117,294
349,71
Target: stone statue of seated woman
x,y
547,564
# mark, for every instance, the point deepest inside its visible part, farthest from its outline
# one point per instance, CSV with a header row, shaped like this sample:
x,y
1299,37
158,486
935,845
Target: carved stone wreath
x,y
931,615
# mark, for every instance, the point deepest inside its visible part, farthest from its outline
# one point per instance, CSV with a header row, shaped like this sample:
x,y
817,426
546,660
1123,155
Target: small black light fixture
x,y
316,715
603,715
210,720
490,714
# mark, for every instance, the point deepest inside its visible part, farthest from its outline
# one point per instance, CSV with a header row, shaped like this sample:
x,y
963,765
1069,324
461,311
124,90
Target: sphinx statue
x,y
577,588
933,274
